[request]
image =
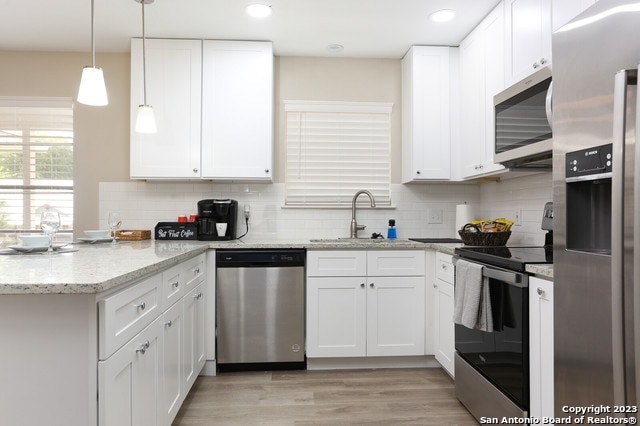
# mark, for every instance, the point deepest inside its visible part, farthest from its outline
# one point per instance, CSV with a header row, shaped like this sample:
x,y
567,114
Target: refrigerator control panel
x,y
590,163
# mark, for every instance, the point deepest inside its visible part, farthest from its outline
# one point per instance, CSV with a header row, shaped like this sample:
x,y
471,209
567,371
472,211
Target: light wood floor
x,y
354,397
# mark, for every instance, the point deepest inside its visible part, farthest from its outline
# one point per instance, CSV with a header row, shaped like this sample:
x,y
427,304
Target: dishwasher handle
x,y
260,258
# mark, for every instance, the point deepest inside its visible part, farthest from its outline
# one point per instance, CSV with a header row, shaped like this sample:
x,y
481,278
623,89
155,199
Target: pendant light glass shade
x,y
146,120
92,88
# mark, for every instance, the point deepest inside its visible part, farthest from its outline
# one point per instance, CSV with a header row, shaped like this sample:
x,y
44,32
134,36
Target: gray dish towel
x,y
472,303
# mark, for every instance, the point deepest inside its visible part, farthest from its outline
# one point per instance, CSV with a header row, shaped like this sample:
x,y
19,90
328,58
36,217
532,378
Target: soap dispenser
x,y
391,232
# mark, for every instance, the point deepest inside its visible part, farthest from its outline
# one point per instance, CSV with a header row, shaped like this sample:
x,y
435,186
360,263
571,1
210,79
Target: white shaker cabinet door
x,y
336,317
444,328
129,381
172,390
237,110
194,334
173,74
541,347
395,316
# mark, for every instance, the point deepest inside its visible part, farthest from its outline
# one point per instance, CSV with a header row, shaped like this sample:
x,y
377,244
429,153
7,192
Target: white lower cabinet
x,y
541,347
443,326
367,304
130,379
145,380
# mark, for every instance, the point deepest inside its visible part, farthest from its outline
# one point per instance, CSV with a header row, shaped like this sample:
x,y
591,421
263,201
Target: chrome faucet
x,y
354,225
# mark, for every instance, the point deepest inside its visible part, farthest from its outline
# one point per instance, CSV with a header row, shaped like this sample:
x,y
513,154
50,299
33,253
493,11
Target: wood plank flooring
x,y
337,397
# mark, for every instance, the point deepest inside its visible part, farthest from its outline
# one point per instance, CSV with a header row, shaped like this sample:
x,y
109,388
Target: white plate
x,y
28,249
96,240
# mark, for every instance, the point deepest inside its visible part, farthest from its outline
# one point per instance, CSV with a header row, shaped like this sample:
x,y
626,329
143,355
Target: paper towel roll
x,y
464,215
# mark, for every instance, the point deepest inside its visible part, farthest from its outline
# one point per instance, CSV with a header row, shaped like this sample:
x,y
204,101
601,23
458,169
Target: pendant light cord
x,y
144,59
93,43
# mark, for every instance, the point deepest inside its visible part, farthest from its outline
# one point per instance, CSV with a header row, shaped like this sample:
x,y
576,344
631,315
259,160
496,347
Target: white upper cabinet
x,y
237,110
426,133
173,69
527,37
565,10
213,102
481,77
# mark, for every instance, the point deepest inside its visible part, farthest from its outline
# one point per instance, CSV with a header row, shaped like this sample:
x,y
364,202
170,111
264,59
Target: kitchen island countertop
x,y
95,268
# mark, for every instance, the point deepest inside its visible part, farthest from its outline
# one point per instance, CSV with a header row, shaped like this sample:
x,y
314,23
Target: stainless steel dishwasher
x,y
260,315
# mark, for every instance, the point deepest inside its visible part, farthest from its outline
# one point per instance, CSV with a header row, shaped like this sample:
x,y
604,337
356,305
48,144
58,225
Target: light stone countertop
x,y
541,271
99,267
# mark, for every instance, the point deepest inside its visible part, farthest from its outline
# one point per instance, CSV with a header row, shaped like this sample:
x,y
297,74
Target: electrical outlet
x,y
247,211
434,215
518,217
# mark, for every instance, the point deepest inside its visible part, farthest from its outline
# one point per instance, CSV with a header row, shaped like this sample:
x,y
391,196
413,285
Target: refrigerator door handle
x,y
623,79
636,241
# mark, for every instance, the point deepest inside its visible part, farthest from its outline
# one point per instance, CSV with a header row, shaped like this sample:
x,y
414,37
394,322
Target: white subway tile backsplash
x,y
143,204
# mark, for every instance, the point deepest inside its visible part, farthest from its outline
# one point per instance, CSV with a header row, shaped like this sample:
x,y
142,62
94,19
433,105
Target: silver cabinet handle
x,y
418,172
168,323
371,285
197,271
535,65
435,285
141,306
362,285
543,61
176,284
143,347
195,170
197,296
540,291
266,170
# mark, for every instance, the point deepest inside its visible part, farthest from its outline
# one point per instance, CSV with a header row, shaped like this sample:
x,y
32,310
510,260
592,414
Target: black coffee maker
x,y
217,219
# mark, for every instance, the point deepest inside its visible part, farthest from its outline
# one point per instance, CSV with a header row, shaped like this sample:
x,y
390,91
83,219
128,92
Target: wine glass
x,y
50,223
114,223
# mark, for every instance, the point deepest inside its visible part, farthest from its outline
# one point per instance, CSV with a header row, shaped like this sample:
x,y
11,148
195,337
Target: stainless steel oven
x,y
492,367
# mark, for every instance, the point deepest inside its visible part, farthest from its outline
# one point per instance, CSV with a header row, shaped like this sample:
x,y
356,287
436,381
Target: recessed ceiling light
x,y
258,10
334,48
443,15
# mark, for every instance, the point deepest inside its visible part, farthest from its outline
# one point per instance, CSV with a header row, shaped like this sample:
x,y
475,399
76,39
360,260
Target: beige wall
x,y
101,151
102,133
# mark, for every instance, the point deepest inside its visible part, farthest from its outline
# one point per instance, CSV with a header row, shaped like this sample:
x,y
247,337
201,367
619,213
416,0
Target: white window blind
x,y
335,149
36,161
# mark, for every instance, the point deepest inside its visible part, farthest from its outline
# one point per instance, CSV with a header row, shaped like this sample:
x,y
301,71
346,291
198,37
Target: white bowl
x,y
98,234
34,240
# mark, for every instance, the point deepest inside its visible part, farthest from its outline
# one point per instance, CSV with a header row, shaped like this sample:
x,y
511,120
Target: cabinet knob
x,y
195,170
543,61
197,271
141,306
435,285
168,323
143,347
535,65
266,170
371,285
540,291
418,172
362,285
197,296
175,285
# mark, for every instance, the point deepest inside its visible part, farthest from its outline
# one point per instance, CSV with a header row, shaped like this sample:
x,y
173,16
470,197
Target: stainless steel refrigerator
x,y
596,203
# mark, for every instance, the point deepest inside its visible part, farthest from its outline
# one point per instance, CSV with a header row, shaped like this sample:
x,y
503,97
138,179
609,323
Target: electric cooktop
x,y
514,258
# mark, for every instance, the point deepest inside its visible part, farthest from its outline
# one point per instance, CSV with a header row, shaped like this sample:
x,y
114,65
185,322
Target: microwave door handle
x,y
622,80
548,105
512,278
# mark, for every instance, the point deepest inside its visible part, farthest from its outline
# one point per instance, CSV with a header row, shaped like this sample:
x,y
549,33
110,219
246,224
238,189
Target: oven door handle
x,y
512,278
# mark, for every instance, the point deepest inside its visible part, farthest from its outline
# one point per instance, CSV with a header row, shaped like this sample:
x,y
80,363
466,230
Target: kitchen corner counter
x,y
95,268
541,271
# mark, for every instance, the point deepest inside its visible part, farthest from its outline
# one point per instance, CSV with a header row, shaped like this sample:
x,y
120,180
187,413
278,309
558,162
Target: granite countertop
x,y
541,271
94,268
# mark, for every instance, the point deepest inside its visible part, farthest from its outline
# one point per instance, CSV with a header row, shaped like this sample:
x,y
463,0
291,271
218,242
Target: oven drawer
x,y
444,267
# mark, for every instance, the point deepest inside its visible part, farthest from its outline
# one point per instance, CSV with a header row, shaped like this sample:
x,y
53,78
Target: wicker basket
x,y
133,234
484,238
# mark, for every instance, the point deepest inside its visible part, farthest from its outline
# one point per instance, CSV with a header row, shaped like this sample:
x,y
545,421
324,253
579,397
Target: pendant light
x,y
145,121
92,88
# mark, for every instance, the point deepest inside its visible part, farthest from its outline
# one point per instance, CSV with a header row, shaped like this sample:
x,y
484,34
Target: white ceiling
x,y
366,28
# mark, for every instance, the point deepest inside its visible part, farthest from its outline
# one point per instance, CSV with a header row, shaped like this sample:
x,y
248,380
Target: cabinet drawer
x,y
173,285
124,314
194,270
343,263
444,267
389,263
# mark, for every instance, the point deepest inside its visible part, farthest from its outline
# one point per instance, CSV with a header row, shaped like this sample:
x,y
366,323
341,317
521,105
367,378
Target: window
x,y
36,163
335,149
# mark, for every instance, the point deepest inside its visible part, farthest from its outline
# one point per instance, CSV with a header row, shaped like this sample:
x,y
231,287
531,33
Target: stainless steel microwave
x,y
523,137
